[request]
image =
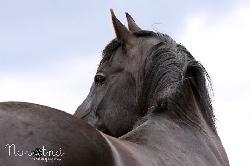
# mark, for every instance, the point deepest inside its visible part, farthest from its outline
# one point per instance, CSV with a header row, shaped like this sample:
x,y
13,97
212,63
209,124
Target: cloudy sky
x,y
49,51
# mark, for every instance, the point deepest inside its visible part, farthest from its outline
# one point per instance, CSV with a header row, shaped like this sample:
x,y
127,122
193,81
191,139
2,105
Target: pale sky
x,y
50,49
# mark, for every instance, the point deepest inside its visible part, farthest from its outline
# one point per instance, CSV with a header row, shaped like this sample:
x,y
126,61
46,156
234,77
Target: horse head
x,y
143,72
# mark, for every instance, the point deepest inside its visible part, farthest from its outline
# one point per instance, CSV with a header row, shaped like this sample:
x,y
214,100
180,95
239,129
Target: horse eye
x,y
99,78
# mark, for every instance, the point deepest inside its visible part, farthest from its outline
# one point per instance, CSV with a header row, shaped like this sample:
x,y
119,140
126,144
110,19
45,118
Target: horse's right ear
x,y
123,35
132,26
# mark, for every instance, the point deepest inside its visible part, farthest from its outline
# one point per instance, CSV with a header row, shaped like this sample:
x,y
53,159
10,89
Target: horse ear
x,y
122,33
132,26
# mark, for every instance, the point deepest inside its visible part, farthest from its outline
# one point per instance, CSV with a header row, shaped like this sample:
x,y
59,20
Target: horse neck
x,y
168,89
162,136
172,119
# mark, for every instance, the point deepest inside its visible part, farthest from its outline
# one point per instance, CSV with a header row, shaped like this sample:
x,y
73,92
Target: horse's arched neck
x,y
181,110
162,134
167,94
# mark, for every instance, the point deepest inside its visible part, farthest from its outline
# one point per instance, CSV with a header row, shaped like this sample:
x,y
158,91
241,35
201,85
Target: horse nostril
x,y
100,78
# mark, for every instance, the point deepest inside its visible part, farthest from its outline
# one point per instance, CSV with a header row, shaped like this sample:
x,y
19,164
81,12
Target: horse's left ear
x,y
132,26
123,35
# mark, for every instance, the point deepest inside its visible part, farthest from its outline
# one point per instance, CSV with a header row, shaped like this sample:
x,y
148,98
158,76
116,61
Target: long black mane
x,y
170,72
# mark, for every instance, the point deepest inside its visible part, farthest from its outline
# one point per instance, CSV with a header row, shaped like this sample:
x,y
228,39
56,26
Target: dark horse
x,y
149,105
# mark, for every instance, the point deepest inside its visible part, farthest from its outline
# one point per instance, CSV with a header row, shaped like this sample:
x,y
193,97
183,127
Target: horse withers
x,y
149,105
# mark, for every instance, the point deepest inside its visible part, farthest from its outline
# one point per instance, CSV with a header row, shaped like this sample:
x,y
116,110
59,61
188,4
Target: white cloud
x,y
223,48
64,88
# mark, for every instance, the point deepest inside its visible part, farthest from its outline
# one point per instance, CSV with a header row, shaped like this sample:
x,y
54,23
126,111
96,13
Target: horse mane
x,y
171,71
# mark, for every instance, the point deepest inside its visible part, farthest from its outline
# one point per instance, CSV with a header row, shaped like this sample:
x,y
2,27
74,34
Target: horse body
x,y
30,126
149,105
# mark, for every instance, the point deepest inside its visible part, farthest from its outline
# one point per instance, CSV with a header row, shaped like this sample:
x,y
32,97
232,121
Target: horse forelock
x,y
113,45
